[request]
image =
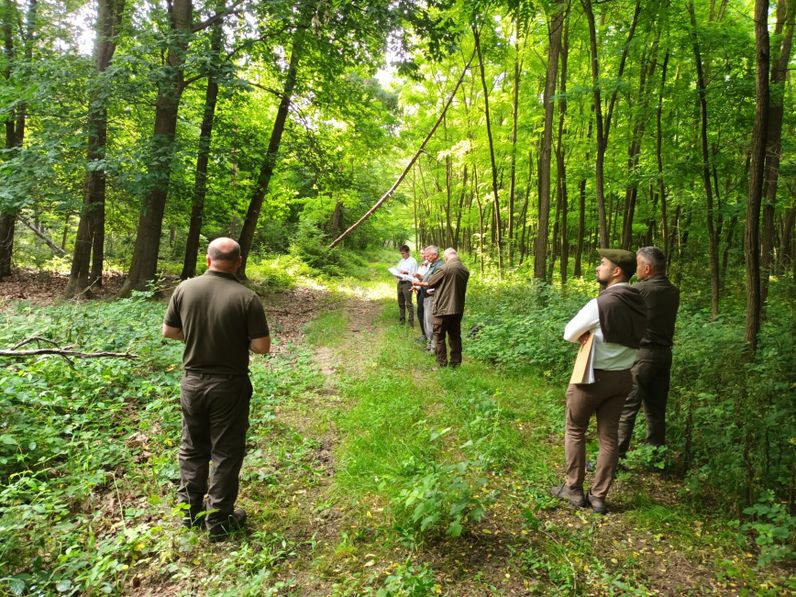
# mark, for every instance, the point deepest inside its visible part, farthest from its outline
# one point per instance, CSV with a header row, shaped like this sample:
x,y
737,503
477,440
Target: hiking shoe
x,y
220,527
598,505
572,494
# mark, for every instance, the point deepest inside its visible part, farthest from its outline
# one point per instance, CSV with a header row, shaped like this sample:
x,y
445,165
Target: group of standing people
x,y
633,330
221,321
441,285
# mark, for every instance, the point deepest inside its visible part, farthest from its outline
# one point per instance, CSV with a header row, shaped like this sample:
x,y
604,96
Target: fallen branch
x,y
66,353
40,233
411,163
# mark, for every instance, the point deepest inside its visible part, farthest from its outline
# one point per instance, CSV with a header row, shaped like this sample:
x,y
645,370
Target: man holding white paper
x,y
616,319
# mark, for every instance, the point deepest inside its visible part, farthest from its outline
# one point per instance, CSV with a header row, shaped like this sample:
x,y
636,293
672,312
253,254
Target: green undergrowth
x,y
88,456
445,455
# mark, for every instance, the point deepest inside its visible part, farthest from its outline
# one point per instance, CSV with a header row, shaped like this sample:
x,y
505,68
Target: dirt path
x,y
311,569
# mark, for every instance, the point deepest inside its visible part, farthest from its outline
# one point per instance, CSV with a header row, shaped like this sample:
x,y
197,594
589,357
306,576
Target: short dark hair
x,y
655,257
216,255
404,248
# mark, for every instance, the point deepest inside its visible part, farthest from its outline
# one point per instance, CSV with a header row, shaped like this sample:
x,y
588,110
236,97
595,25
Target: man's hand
x,y
584,337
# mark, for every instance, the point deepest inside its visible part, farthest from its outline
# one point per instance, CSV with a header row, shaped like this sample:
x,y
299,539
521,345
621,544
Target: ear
x,y
209,261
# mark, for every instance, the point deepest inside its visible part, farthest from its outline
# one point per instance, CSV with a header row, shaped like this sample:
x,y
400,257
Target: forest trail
x,y
367,471
346,542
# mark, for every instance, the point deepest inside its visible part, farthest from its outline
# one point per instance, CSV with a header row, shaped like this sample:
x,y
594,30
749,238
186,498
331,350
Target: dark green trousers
x,y
215,418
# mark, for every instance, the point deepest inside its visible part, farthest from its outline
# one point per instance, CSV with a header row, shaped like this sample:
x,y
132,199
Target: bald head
x,y
223,254
450,253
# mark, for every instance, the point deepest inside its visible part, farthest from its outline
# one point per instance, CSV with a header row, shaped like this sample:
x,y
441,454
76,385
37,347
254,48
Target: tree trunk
x,y
779,72
498,224
92,220
603,126
659,158
203,155
756,175
786,252
16,119
150,222
561,166
515,103
555,34
269,162
713,241
634,152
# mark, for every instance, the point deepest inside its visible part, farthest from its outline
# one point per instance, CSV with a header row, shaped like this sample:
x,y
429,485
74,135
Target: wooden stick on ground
x,y
64,352
411,163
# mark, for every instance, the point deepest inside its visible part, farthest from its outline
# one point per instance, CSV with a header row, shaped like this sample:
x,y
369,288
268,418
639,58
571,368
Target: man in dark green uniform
x,y
450,284
654,359
219,320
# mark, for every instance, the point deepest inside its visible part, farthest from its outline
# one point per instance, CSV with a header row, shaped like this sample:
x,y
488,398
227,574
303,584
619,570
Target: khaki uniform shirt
x,y
450,282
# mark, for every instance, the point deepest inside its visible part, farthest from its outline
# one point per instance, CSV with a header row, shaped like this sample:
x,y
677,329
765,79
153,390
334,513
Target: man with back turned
x,y
654,359
220,321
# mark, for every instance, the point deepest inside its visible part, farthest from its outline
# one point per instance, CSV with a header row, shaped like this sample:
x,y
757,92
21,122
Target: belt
x,y
227,376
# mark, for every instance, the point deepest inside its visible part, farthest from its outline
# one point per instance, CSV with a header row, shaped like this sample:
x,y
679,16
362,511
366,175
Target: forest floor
x,y
370,472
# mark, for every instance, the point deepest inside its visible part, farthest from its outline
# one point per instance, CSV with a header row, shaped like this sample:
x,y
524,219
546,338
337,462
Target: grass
x,y
378,475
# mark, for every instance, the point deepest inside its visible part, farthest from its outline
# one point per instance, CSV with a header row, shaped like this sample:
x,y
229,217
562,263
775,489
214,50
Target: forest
x,y
322,135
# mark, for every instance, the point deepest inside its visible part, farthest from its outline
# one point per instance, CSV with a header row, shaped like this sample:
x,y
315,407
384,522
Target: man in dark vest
x,y
617,320
654,359
220,321
450,286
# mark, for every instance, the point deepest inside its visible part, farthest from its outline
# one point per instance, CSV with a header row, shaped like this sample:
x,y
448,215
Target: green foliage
x,y
517,325
310,245
730,417
432,496
408,580
773,529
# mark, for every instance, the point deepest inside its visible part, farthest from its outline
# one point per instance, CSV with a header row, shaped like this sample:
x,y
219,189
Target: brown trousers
x,y
450,326
605,398
215,418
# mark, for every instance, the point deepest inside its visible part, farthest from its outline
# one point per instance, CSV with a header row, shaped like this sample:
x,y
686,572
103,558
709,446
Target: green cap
x,y
624,259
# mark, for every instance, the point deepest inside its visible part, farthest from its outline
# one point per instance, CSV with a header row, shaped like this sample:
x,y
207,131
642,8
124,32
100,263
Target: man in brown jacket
x,y
450,282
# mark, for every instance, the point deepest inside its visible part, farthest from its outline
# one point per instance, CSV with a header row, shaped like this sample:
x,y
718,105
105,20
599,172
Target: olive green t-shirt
x,y
218,316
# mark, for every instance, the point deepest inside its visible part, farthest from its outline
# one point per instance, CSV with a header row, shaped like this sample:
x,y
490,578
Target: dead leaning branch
x,y
411,163
54,349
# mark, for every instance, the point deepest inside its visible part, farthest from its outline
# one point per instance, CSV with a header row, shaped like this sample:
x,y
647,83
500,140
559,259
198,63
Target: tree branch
x,y
21,354
408,167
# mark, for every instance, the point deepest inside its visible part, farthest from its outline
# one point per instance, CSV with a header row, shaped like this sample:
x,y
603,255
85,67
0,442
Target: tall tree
x,y
783,32
496,194
713,234
757,174
555,31
16,120
203,154
90,231
272,153
603,123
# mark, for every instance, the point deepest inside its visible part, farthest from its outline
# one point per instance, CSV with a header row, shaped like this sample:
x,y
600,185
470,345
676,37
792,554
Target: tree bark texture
x,y
779,71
